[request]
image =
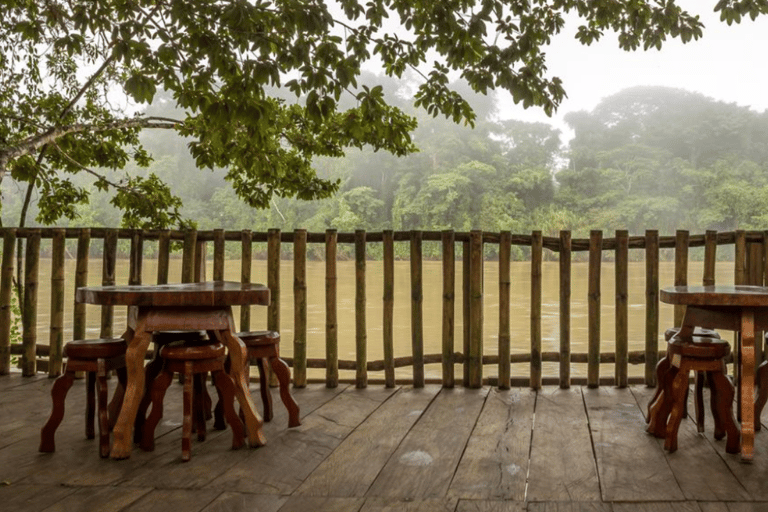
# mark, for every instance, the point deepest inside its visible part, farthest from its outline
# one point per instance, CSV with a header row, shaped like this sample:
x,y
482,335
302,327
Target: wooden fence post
x,y
219,254
81,279
622,308
163,256
246,256
476,309
361,337
448,239
388,241
505,284
29,311
651,305
331,325
536,262
417,319
109,262
465,310
300,308
710,257
188,256
6,289
593,301
565,309
681,269
56,331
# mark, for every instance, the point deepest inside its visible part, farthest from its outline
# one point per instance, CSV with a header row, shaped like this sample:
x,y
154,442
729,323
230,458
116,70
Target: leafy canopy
x,y
66,67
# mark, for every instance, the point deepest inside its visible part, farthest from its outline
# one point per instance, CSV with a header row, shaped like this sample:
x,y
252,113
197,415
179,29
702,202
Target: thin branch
x,y
90,171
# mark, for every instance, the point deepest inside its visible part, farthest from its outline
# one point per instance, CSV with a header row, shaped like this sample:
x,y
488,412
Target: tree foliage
x,y
67,66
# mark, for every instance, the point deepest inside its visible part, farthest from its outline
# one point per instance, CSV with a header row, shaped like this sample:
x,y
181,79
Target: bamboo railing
x,y
750,267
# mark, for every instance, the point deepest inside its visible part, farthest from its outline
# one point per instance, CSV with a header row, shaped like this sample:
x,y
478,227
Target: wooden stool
x,y
264,348
701,355
155,366
189,360
662,367
97,358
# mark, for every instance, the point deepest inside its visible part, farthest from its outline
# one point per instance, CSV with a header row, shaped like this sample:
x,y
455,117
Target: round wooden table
x,y
194,306
743,309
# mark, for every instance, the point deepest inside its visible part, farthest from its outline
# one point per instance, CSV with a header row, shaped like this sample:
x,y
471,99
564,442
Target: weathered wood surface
x,y
387,449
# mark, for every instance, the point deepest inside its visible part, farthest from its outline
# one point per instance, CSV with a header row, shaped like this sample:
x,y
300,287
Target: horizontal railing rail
x,y
22,267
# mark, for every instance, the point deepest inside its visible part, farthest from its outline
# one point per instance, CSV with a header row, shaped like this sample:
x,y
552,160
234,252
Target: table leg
x,y
747,383
138,342
238,354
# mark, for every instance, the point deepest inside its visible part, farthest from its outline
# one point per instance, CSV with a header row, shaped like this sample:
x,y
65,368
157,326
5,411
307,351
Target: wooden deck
x,y
379,449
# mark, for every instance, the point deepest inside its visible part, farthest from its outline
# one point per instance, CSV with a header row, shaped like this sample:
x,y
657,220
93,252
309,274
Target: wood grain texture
x,y
630,462
495,462
562,467
425,462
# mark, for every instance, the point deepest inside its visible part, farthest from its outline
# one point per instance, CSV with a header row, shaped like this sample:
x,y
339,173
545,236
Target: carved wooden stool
x,y
155,366
189,360
97,358
662,367
264,348
701,355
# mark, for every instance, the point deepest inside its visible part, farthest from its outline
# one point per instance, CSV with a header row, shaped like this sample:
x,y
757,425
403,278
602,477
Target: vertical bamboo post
x,y
56,332
388,333
681,269
246,256
476,309
417,319
765,258
218,255
331,325
740,258
6,289
361,338
449,300
300,308
136,257
109,262
29,311
755,263
505,283
595,261
536,262
465,309
188,256
201,248
565,309
622,308
81,279
710,257
651,305
273,279
163,256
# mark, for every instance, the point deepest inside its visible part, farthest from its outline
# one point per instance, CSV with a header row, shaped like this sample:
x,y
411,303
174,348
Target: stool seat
x,y
193,352
101,348
697,331
96,357
698,347
258,338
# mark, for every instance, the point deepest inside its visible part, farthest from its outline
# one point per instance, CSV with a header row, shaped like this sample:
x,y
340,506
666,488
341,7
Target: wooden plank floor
x,y
379,449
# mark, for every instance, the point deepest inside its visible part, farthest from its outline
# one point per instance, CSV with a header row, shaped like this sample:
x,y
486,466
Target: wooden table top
x,y
211,294
719,295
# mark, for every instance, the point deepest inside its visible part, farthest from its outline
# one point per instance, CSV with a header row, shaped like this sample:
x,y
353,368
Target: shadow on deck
x,y
378,449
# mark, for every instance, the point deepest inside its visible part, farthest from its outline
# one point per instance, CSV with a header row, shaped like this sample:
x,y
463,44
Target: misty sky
x,y
727,63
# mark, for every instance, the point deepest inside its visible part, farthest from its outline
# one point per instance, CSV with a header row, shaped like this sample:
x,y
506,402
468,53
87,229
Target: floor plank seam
x,y
530,445
466,443
592,443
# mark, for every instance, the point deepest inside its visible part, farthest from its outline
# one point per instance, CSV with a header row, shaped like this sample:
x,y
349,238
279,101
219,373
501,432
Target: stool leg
x,y
117,397
725,394
761,381
58,394
90,404
186,428
151,371
266,394
699,400
199,405
661,407
713,404
662,367
159,387
101,388
678,393
283,374
226,390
